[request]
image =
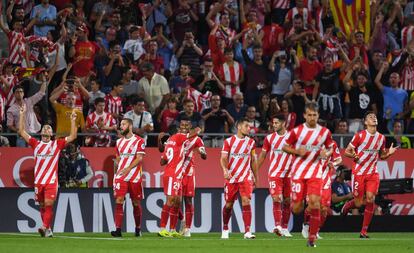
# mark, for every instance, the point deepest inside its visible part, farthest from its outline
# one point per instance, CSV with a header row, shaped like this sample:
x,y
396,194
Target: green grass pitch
x,y
265,242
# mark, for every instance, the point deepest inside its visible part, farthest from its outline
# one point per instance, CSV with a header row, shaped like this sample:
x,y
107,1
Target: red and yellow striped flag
x,y
352,15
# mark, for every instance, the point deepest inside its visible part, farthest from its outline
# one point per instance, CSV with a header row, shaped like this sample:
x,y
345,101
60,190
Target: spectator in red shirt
x,y
216,45
273,36
359,48
83,52
169,115
308,69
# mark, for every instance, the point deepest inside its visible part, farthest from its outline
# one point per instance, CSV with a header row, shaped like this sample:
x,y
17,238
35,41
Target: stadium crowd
x,y
214,61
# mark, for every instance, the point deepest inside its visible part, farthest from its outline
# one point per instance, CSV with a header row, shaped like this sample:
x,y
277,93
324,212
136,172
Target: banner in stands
x,y
17,170
92,210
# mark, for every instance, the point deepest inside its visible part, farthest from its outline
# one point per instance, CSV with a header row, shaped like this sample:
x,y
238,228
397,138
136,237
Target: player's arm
x,y
203,153
253,164
73,127
2,26
135,162
224,163
160,144
22,132
337,199
261,158
293,151
350,152
385,154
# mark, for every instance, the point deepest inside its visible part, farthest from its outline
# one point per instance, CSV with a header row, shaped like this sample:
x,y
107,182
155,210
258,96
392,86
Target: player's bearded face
x,y
277,125
124,128
311,117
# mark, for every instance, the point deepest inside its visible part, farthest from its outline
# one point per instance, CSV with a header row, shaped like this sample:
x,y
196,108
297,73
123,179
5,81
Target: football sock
x,y
42,213
180,214
285,214
314,223
226,217
369,211
277,213
47,216
137,215
306,216
119,215
247,217
348,206
173,217
165,213
189,212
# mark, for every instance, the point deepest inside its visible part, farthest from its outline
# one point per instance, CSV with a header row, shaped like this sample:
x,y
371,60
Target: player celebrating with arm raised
x,y
46,153
309,143
365,148
174,158
238,161
278,175
130,150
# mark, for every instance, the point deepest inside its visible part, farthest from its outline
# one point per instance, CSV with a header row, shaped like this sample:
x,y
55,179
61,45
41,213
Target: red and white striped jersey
x,y
174,154
11,82
113,104
94,120
281,4
407,76
46,159
307,18
227,34
327,169
279,161
313,139
407,35
367,147
239,153
16,47
127,150
231,74
191,145
201,101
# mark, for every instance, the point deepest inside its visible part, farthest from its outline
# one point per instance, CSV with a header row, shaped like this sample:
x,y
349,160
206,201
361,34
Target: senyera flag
x,y
352,16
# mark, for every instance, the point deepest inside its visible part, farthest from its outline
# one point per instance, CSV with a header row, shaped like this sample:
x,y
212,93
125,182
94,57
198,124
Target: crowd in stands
x,y
214,61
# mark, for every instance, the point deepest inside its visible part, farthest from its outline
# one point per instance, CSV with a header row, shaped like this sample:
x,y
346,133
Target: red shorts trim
x,y
188,186
45,191
121,188
280,186
245,189
326,197
172,186
304,187
365,183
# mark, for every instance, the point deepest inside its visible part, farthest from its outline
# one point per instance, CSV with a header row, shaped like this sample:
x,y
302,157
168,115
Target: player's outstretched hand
x,y
392,149
302,151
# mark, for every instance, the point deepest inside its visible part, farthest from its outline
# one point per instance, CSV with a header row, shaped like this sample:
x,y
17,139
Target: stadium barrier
x,y
92,210
17,171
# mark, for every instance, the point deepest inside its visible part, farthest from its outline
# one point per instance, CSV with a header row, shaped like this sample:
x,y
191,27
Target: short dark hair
x,y
17,87
208,59
313,106
257,46
116,85
185,118
146,66
114,43
242,120
137,100
133,28
280,117
99,100
298,16
228,50
368,113
128,120
187,100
